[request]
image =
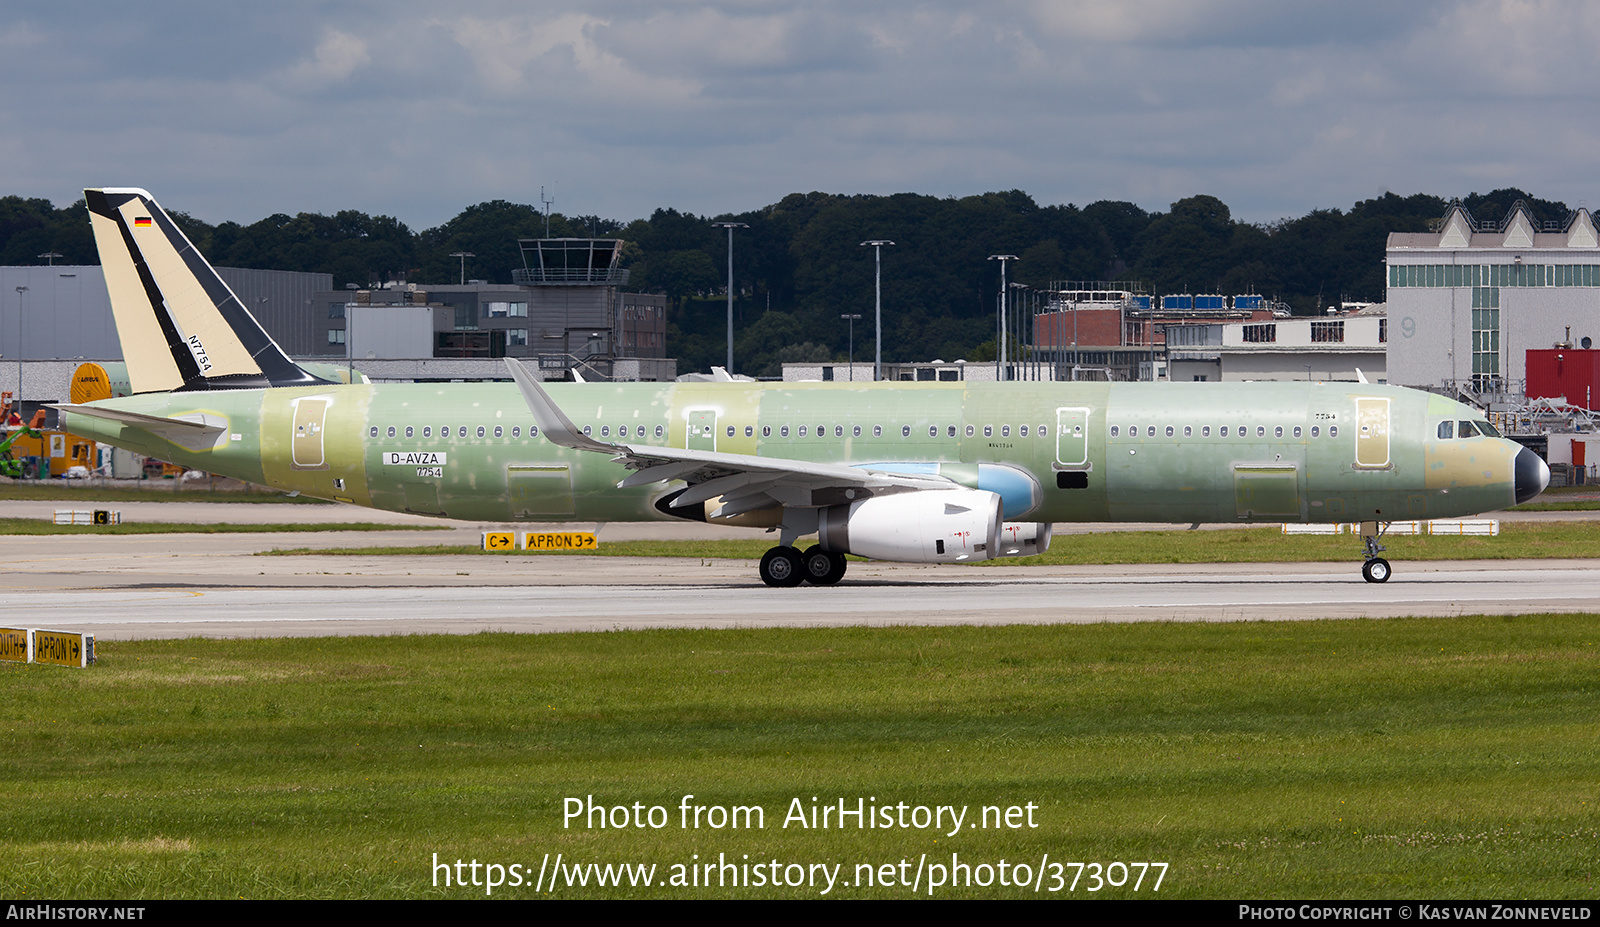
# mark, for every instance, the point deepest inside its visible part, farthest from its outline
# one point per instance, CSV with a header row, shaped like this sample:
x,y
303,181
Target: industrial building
x,y
566,312
1470,299
1335,347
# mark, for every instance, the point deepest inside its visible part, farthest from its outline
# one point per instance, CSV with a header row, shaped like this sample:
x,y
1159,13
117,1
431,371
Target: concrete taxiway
x,y
183,585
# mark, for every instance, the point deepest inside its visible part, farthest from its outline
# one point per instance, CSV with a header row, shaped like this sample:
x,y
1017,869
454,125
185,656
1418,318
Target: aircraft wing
x,y
743,482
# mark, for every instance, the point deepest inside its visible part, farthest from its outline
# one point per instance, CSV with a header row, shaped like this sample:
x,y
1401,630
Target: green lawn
x,y
38,526
1420,758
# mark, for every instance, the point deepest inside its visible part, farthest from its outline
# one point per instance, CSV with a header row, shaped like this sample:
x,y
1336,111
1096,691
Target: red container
x,y
1570,372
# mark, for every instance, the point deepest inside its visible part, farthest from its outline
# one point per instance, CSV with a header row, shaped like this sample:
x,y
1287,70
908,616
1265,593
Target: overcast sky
x,y
417,110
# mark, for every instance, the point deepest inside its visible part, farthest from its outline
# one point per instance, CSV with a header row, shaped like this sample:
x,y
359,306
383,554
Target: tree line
x,y
800,265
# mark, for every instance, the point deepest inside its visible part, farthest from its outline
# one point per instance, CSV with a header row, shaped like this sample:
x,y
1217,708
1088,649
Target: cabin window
x,y
855,431
971,430
533,431
462,431
1333,431
427,431
1150,432
1044,432
1297,431
933,431
480,431
408,431
1316,431
1005,431
1223,431
1261,431
950,432
730,431
822,431
372,432
1277,431
1205,431
1188,431
659,431
1113,431
1023,431
586,431
1169,431
838,431
802,431
877,431
391,431
499,432
766,431
905,431
784,431
516,431
749,431
988,431
605,431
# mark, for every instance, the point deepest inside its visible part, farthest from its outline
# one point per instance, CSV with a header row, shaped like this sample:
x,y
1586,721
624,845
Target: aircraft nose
x,y
1532,475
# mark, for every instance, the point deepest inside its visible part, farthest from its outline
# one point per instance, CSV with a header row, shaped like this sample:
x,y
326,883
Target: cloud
x,y
335,58
418,110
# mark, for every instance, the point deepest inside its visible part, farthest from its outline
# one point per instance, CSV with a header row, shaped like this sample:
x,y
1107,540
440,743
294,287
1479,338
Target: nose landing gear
x,y
1376,569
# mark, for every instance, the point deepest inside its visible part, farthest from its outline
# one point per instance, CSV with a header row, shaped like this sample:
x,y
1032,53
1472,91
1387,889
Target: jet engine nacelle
x,y
1023,539
929,526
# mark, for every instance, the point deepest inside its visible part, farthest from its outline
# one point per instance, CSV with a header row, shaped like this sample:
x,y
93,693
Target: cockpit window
x,y
1488,430
1447,430
1466,430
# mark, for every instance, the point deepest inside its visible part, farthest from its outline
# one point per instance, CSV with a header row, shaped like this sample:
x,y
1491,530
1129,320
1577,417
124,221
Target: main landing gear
x,y
785,566
1376,569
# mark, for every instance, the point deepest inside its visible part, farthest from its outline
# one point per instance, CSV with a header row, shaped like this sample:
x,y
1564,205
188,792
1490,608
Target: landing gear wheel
x,y
781,567
1375,570
822,567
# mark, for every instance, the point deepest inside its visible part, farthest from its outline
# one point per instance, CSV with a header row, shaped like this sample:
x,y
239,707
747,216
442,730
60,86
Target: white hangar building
x,y
1466,302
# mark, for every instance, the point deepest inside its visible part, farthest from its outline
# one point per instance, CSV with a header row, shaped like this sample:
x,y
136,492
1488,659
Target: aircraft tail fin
x,y
181,327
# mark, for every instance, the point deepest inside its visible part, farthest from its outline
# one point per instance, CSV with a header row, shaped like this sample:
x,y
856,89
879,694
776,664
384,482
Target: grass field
x,y
36,526
1539,540
1449,758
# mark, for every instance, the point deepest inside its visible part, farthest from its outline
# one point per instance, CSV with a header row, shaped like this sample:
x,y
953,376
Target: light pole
x,y
463,255
730,226
50,257
21,290
1000,356
852,317
877,302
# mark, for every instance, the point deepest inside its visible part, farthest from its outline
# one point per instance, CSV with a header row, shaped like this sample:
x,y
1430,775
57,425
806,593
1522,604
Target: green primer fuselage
x,y
1101,452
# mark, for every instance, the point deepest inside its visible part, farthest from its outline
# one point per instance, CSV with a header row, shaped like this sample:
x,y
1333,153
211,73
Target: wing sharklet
x,y
552,421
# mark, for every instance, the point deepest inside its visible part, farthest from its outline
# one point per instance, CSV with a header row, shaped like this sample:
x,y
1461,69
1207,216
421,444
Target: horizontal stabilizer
x,y
195,433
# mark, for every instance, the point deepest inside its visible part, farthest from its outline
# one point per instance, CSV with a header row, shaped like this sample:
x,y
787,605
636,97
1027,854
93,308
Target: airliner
x,y
942,472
